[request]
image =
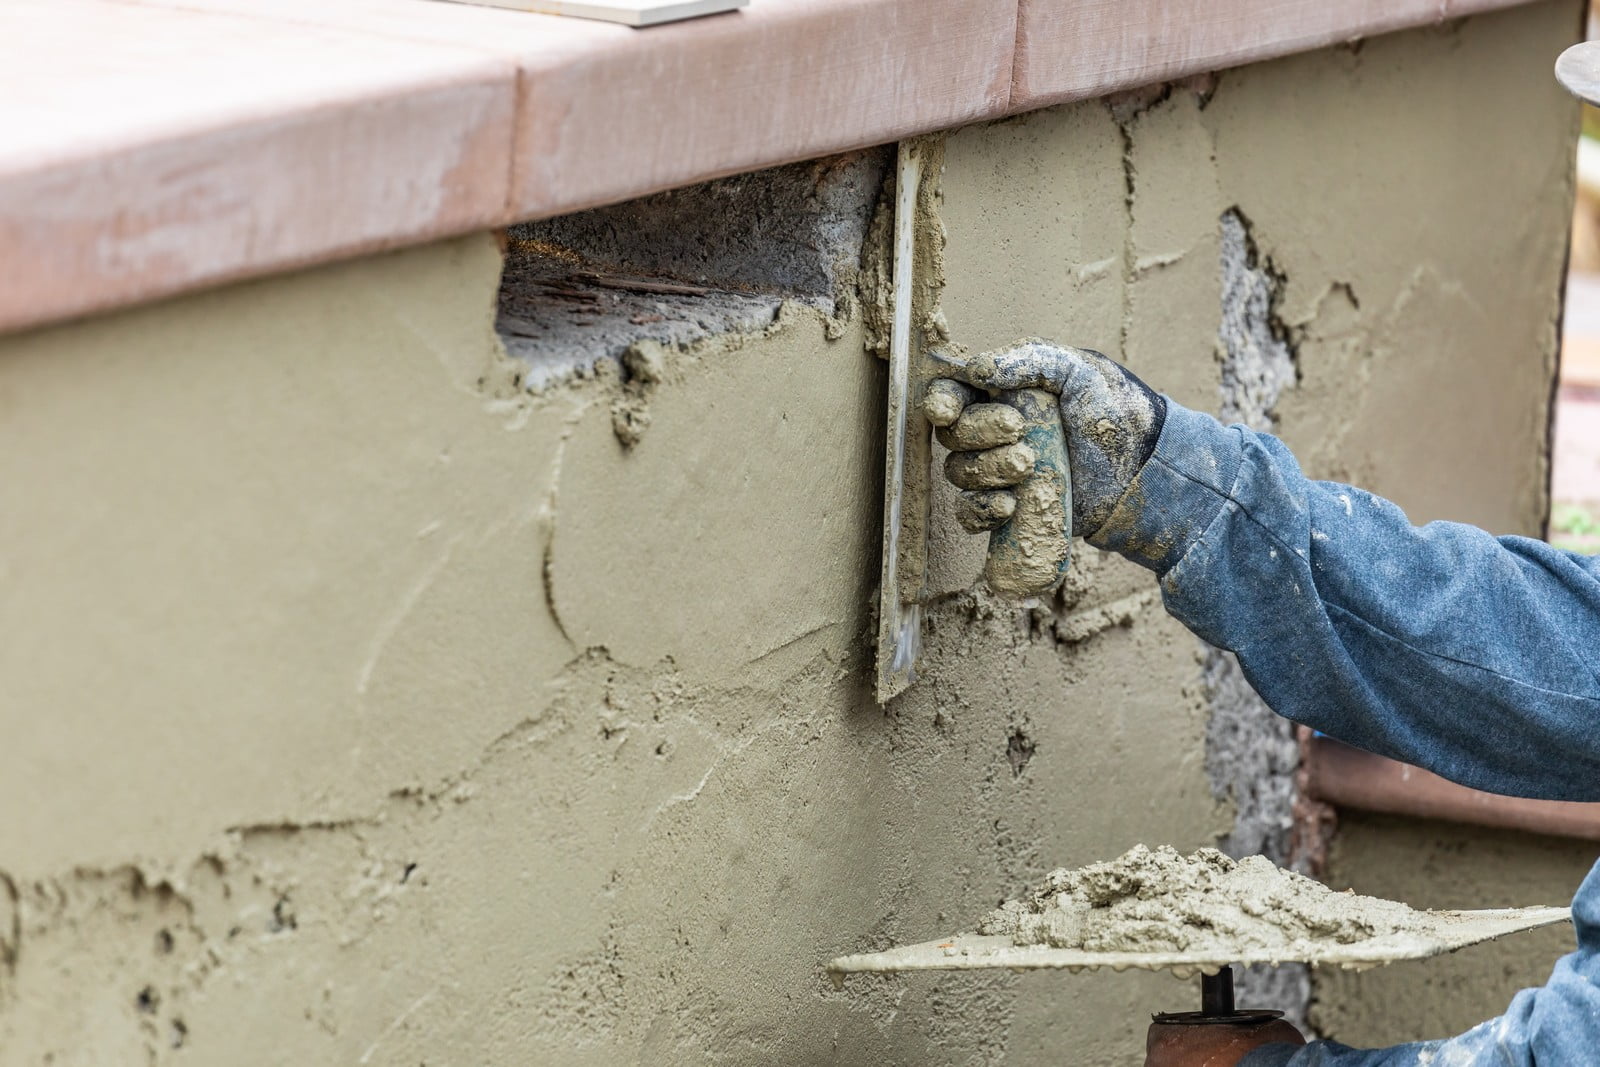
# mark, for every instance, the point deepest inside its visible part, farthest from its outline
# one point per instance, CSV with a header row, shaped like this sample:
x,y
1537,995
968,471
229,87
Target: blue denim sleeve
x,y
1477,657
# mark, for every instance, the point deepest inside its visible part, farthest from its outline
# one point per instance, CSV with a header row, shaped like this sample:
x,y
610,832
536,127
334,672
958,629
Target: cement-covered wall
x,y
374,696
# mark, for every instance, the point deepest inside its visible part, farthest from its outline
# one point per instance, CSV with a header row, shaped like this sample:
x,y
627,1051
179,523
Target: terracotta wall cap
x,y
1350,778
157,146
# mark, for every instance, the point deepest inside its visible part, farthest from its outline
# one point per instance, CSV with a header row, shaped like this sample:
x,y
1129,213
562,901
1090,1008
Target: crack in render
x,y
1129,179
10,931
547,566
1258,349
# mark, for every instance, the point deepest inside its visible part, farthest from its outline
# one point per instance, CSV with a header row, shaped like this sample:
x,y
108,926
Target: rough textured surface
x,y
1251,754
1162,901
386,710
564,315
796,230
685,265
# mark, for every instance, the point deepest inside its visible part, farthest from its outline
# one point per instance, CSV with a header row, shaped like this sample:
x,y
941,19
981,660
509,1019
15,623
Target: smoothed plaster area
x,y
415,717
370,703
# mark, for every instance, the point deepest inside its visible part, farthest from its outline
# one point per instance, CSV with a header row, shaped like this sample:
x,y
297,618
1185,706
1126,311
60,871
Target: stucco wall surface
x,y
366,704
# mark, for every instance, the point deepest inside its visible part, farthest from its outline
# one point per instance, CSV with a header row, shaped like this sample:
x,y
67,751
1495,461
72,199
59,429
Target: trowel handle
x,y
1028,556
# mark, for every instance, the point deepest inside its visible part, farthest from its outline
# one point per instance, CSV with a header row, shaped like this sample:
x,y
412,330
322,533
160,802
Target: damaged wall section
x,y
1251,753
681,266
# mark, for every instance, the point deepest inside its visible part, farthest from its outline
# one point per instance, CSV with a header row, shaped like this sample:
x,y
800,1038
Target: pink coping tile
x,y
256,135
151,151
1074,49
772,83
609,112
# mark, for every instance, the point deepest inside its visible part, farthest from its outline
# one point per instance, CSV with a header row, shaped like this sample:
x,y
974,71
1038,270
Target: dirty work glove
x,y
1111,420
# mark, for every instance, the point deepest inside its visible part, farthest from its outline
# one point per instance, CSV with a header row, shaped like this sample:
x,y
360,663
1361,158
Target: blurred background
x,y
1575,459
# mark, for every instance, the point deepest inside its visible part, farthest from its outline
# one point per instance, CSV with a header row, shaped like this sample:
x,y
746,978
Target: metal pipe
x,y
1349,778
1216,993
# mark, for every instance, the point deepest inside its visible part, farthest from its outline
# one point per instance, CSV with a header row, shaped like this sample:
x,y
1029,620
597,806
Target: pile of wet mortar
x,y
1163,901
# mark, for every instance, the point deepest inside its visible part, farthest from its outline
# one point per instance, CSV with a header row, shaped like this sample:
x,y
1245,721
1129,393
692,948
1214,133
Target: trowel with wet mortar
x,y
1028,555
1219,1033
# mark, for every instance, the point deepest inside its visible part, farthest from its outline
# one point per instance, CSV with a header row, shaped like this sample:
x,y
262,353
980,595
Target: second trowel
x,y
1029,554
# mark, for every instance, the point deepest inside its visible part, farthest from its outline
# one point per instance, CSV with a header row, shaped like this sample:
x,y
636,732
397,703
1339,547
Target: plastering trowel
x,y
1028,556
1218,1032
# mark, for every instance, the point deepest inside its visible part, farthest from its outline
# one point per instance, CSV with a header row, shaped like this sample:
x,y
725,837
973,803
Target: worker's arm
x,y
1474,656
1471,655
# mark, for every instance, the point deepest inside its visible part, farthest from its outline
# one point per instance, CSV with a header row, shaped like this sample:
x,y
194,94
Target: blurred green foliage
x,y
1591,121
1576,526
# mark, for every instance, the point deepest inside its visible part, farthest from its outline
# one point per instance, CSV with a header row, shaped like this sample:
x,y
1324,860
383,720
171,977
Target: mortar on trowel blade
x,y
1156,909
1150,900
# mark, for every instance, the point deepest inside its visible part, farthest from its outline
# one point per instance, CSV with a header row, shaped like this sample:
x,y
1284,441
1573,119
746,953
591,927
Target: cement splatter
x,y
984,509
981,426
945,400
994,469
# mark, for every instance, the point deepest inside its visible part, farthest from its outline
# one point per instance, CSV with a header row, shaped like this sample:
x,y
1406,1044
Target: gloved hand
x,y
1111,420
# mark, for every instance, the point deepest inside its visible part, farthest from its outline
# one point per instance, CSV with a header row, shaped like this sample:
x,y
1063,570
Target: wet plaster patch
x,y
251,941
320,964
748,553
